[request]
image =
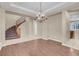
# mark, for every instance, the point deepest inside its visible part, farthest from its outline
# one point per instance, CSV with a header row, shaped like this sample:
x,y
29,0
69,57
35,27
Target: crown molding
x,y
22,8
15,13
59,8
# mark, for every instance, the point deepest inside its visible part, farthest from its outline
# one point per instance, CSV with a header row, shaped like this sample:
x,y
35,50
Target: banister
x,y
18,23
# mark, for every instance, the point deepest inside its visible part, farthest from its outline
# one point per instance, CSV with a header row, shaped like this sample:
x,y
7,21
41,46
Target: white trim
x,y
54,39
70,46
35,27
58,8
16,41
72,43
22,8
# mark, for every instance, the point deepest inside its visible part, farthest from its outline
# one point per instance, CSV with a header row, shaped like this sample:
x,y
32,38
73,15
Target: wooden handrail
x,y
18,23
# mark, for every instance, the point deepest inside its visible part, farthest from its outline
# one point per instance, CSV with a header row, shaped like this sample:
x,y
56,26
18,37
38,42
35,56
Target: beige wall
x,y
2,27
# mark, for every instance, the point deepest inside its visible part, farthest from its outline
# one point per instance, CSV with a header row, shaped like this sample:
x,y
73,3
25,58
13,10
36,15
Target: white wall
x,y
2,27
65,26
27,28
51,28
76,34
39,29
55,27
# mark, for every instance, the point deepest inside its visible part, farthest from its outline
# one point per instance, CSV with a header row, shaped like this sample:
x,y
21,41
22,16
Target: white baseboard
x,y
72,43
52,39
73,47
15,41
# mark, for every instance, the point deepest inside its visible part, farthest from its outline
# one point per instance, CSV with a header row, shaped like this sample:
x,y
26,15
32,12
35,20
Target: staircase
x,y
14,31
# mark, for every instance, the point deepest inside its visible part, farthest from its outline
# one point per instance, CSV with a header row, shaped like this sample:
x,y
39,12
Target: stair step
x,y
11,32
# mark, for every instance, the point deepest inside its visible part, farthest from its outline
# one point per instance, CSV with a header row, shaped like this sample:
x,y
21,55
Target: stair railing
x,y
18,23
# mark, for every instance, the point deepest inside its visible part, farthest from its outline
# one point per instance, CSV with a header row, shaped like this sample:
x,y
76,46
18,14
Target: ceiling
x,y
32,8
36,6
74,16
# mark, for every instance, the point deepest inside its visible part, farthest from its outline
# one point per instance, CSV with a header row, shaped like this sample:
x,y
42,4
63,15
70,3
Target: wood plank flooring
x,y
38,48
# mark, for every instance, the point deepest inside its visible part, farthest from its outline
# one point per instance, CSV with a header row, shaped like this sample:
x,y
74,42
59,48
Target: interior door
x,y
71,34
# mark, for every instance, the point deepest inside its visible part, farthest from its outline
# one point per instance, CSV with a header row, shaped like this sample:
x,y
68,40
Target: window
x,y
74,25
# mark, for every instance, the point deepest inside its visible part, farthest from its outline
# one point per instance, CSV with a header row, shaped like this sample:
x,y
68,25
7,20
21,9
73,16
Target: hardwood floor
x,y
38,48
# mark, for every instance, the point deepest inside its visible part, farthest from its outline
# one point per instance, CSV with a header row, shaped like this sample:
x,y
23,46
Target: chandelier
x,y
40,17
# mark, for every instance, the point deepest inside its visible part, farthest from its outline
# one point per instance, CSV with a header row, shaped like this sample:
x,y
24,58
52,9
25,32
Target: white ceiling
x,y
74,16
35,6
32,8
